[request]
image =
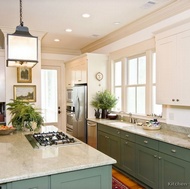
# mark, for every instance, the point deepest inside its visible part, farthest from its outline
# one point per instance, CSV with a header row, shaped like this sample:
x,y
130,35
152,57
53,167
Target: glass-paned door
x,y
50,95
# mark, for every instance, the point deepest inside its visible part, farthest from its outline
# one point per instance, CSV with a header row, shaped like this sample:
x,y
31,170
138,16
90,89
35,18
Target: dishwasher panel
x,y
92,134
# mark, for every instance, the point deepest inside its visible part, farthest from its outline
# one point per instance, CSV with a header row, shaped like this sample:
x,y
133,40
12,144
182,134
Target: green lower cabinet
x,y
3,186
92,178
110,145
159,165
173,172
147,166
96,178
35,183
128,156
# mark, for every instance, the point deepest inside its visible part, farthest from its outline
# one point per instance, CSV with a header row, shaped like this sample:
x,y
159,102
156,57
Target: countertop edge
x,y
171,137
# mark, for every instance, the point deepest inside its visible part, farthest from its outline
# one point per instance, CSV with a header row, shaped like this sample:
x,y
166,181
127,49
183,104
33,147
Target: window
x,y
156,109
136,84
118,84
49,95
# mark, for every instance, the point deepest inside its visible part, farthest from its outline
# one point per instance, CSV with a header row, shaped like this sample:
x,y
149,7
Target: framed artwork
x,y
25,92
24,75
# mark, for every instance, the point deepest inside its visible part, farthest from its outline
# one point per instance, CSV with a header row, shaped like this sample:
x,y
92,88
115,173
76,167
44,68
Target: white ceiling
x,y
54,16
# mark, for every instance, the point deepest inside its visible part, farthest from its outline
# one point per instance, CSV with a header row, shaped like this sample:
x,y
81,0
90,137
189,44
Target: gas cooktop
x,y
38,140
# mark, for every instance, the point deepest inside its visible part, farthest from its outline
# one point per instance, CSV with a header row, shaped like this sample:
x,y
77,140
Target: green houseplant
x,y
104,100
24,114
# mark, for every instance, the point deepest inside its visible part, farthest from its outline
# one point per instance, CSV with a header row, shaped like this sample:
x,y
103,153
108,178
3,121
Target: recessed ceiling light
x,y
56,40
68,30
116,23
95,35
85,15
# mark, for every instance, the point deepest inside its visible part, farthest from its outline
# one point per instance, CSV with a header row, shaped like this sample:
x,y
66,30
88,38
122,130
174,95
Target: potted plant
x,y
24,115
105,101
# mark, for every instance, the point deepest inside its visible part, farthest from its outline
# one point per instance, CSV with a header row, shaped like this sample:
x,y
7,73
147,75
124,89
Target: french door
x,y
51,96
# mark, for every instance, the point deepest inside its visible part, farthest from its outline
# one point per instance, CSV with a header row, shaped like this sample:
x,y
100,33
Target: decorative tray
x,y
151,127
4,130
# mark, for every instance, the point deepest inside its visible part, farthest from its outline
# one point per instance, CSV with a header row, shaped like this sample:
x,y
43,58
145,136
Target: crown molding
x,y
60,51
170,10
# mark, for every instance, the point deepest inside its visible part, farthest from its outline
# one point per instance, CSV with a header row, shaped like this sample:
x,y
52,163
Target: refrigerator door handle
x,y
77,109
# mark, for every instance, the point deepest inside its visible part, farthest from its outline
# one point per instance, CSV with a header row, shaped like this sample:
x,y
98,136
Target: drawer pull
x,y
145,141
107,137
174,151
127,136
155,156
118,132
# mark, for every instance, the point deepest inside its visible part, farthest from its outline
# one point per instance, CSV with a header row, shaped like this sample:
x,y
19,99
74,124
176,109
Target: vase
x,y
97,113
104,114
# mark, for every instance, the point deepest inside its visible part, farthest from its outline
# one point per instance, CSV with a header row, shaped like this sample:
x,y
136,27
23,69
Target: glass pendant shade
x,y
22,48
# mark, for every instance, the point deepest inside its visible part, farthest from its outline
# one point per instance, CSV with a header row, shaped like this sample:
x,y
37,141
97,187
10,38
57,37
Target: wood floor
x,y
126,180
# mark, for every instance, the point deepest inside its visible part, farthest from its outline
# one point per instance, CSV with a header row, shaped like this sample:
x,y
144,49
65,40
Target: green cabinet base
x,y
93,178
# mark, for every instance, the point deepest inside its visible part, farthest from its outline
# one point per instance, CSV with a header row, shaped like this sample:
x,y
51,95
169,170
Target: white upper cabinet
x,y
84,69
76,71
173,68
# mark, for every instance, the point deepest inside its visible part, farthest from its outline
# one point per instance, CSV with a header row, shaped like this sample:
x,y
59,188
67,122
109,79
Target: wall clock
x,y
99,76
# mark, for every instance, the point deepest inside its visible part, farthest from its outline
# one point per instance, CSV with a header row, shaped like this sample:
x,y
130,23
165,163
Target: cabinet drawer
x,y
3,186
175,151
128,136
108,129
144,141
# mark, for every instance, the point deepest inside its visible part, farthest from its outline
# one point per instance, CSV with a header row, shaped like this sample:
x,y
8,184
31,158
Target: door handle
x,y
59,111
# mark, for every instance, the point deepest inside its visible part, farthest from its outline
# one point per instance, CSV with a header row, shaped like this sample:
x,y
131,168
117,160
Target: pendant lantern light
x,y
22,47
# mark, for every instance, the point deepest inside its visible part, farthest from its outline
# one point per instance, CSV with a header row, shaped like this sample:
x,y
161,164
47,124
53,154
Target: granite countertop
x,y
169,136
20,161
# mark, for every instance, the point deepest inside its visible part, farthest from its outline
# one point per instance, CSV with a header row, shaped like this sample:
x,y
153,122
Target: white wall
x,y
174,115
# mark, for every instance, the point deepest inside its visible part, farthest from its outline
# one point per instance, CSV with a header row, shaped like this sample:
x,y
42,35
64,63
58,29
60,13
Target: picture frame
x,y
24,75
26,93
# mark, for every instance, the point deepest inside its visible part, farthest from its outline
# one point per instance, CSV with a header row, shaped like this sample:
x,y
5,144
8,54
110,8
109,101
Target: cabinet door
x,y
35,183
94,178
3,186
103,142
80,73
110,145
147,166
114,143
69,74
172,70
183,68
166,77
173,172
128,156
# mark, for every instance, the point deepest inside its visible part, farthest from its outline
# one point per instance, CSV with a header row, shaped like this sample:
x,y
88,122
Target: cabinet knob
x,y
159,158
106,136
173,100
177,100
145,141
126,142
174,151
127,136
155,156
118,132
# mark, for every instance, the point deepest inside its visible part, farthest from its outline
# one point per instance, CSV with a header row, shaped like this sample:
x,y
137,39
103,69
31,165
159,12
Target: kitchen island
x,y
67,166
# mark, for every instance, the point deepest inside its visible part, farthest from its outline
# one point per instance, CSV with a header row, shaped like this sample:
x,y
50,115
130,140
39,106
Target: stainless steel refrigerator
x,y
81,112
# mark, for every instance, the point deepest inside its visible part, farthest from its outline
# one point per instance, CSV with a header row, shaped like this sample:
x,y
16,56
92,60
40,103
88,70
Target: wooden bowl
x,y
7,131
112,116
